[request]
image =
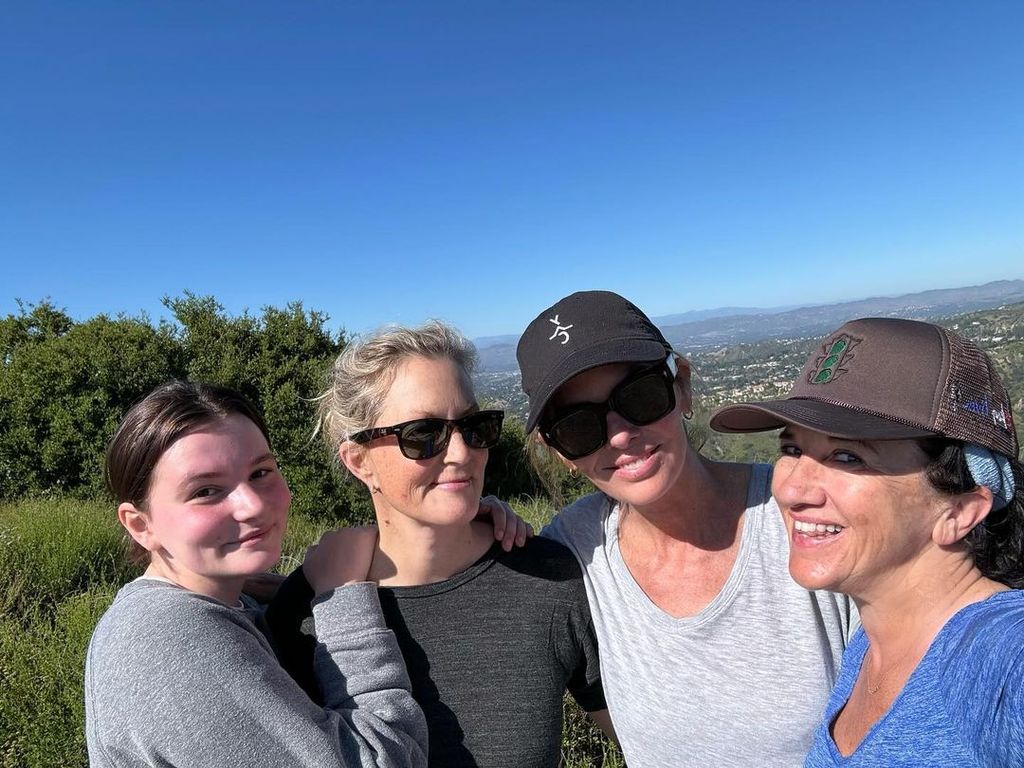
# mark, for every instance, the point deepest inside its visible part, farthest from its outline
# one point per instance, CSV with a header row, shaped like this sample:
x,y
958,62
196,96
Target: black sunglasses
x,y
425,438
641,398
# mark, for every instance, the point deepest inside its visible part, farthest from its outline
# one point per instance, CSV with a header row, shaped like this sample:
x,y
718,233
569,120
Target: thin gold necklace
x,y
873,689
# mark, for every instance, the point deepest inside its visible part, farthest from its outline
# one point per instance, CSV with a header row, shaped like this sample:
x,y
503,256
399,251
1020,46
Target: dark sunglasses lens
x,y
645,399
578,433
424,438
482,430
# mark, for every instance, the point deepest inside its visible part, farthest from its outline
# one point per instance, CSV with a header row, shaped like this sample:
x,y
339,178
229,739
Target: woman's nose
x,y
249,502
797,482
620,431
457,450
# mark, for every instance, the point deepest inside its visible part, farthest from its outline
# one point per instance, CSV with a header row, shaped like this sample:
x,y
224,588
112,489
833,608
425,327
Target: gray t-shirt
x,y
743,682
174,678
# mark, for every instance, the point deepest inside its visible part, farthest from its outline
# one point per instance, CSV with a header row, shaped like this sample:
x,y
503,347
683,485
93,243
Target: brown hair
x,y
153,424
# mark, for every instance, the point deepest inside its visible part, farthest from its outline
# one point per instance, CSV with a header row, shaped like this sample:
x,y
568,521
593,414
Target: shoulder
x,y
759,488
990,628
151,603
153,620
986,639
542,558
978,668
979,658
581,523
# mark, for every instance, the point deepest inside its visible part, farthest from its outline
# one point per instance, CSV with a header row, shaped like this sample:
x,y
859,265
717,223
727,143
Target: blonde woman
x,y
492,639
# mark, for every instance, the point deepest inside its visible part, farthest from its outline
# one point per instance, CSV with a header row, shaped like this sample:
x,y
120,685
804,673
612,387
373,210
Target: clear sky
x,y
393,161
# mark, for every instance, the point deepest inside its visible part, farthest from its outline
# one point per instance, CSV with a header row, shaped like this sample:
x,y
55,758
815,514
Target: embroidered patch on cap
x,y
984,407
835,353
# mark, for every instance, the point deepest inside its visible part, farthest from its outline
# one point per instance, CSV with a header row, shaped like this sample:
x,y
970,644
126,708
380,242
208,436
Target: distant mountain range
x,y
732,325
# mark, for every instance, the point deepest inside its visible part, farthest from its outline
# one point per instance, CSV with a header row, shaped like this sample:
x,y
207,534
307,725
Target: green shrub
x,y
583,743
302,531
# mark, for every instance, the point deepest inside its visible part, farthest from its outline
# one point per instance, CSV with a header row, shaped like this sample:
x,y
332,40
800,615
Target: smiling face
x,y
860,515
638,465
442,490
216,510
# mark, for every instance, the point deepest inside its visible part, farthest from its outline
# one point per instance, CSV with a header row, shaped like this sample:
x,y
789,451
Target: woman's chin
x,y
814,574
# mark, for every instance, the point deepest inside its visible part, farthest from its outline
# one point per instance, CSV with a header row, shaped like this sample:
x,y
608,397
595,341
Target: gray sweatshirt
x,y
174,678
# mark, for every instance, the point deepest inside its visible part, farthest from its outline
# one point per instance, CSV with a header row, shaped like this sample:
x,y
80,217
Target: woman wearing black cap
x,y
900,485
710,654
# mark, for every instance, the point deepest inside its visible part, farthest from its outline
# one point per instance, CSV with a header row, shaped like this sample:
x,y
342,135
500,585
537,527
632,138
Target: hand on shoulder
x,y
342,556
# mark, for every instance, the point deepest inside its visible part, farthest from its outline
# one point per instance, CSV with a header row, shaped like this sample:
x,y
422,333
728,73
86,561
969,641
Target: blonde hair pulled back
x,y
362,375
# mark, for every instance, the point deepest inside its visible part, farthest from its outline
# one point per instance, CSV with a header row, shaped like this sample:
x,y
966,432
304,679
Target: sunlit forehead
x,y
428,388
226,447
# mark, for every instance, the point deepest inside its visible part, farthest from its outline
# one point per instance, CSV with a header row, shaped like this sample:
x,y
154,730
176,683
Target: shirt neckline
x,y
856,663
758,496
487,559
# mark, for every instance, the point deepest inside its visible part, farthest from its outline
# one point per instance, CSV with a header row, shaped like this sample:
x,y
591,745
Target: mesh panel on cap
x,y
974,406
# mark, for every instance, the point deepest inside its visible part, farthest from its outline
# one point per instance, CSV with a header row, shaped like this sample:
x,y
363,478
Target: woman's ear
x,y
538,438
962,514
683,383
136,522
567,463
357,461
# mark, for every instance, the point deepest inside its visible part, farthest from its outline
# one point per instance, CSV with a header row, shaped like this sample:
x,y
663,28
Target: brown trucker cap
x,y
889,379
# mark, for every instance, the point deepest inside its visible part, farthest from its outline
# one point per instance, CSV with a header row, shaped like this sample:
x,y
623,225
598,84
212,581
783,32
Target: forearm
x,y
363,678
194,684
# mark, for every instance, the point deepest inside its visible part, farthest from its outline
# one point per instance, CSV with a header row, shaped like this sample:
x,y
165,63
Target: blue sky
x,y
475,161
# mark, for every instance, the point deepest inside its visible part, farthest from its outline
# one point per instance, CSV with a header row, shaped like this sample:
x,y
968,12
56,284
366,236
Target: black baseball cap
x,y
582,331
890,379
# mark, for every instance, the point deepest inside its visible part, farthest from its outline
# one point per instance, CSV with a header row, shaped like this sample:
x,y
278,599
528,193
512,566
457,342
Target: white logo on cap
x,y
999,418
560,330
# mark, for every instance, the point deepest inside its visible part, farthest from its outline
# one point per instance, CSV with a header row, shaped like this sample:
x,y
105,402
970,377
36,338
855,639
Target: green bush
x,y
302,531
63,388
65,385
583,743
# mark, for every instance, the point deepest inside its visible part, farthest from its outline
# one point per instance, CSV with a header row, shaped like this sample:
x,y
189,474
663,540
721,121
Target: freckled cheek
x,y
416,481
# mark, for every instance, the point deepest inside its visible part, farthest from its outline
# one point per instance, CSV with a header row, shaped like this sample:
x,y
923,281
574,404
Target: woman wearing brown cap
x,y
900,485
710,654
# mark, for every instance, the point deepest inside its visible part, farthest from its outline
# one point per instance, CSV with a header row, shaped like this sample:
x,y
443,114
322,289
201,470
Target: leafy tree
x,y
64,386
63,389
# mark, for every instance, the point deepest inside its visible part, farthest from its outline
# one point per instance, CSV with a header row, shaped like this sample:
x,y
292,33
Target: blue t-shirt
x,y
963,706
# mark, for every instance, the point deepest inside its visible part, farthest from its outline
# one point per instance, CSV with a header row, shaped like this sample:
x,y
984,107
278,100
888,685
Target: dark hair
x,y
997,544
153,424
